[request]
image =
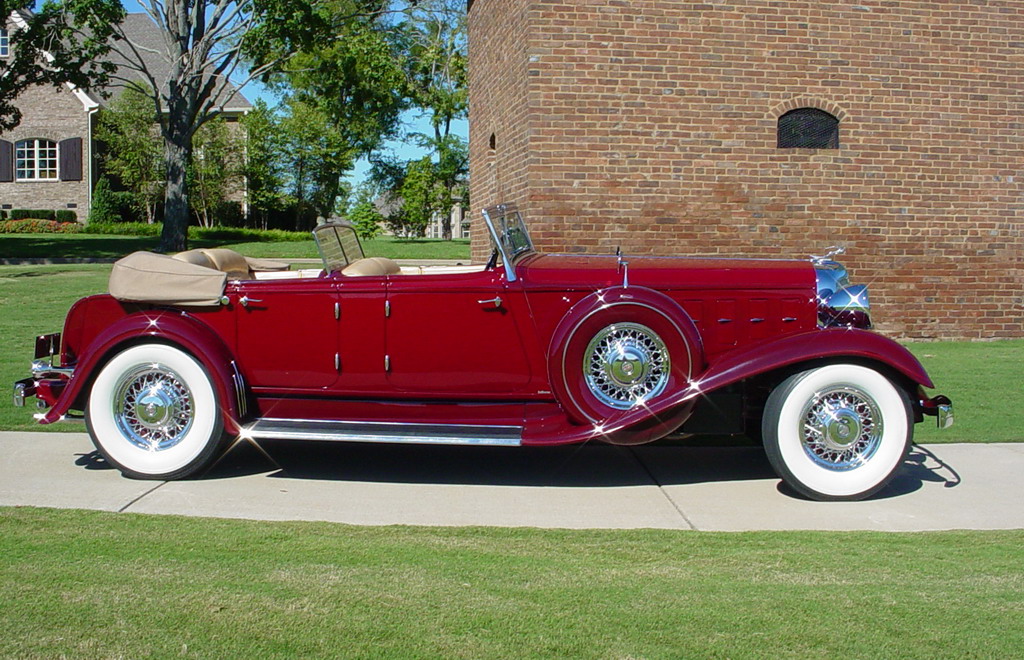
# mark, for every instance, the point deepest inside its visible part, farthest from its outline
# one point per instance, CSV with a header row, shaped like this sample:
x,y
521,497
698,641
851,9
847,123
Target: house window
x,y
35,160
5,43
808,128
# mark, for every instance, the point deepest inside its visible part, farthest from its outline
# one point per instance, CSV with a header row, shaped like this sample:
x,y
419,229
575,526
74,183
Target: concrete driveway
x,y
955,486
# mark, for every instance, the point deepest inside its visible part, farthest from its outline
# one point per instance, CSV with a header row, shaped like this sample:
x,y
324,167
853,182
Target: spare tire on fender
x,y
620,348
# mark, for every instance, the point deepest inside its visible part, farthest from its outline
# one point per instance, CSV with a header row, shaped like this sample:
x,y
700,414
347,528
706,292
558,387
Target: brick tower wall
x,y
651,125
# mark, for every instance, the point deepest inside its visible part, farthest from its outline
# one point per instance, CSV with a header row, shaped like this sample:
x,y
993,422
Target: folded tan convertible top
x,y
157,278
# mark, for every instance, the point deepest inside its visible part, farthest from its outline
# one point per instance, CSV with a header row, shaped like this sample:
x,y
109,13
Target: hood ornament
x,y
833,251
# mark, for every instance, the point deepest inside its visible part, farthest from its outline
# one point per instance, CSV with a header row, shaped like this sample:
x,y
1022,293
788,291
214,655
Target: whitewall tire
x,y
838,432
153,413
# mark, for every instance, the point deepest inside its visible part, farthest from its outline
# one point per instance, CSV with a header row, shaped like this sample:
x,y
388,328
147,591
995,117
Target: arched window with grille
x,y
808,128
35,160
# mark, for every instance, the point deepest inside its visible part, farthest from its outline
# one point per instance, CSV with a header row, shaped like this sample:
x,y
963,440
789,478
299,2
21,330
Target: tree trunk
x,y
178,147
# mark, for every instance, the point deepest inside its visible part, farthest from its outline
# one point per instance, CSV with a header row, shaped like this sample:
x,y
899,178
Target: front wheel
x,y
838,432
153,413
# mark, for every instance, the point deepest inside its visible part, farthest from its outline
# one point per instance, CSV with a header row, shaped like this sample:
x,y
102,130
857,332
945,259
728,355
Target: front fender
x,y
163,326
839,343
813,345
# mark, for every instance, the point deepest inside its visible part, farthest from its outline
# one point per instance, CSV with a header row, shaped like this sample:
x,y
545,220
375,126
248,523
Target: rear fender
x,y
158,326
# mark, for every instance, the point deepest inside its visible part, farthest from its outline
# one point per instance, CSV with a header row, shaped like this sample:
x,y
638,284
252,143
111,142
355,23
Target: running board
x,y
421,434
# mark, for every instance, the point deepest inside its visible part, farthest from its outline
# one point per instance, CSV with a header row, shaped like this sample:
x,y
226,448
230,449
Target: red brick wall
x,y
651,124
499,107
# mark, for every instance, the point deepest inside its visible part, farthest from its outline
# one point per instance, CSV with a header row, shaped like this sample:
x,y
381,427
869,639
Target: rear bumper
x,y
46,389
47,381
939,407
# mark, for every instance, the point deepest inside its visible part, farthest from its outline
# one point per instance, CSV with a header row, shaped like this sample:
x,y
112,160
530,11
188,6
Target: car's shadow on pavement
x,y
591,465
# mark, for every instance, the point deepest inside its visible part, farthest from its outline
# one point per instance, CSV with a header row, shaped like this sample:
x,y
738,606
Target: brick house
x,y
768,129
49,160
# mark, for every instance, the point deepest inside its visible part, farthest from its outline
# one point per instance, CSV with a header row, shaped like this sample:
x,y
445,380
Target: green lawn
x,y
101,585
42,246
981,378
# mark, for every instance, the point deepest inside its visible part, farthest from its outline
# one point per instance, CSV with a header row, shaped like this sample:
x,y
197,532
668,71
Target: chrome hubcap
x,y
841,428
152,407
626,364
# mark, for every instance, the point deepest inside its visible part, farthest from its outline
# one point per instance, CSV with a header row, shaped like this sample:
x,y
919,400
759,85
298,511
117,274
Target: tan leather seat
x,y
194,257
222,259
372,266
230,262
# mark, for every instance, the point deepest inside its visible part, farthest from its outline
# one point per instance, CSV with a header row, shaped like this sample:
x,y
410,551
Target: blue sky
x,y
412,121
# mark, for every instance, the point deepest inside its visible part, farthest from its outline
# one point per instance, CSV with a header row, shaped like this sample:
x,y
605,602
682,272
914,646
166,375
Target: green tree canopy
x,y
60,43
133,151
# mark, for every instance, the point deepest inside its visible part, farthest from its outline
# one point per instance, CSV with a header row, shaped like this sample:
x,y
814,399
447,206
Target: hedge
x,y
36,214
37,226
122,228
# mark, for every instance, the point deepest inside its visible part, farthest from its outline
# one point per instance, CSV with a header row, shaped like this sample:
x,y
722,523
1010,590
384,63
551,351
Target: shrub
x,y
37,226
245,234
105,204
65,215
39,214
122,228
365,217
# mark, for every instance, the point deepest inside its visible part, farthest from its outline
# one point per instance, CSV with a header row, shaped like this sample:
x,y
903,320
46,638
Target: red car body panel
x,y
444,349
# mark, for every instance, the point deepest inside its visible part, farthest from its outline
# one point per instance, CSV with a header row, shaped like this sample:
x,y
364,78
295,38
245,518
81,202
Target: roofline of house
x,y
88,103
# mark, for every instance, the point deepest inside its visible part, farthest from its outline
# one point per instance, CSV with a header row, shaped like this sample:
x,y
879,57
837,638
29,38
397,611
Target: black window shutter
x,y
6,161
71,159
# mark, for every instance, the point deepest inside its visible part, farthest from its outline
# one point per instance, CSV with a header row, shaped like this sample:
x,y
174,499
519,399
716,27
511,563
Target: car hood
x,y
581,271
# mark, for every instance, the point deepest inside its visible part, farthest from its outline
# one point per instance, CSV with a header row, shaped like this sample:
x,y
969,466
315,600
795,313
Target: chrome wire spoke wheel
x,y
153,407
153,413
626,364
837,432
841,428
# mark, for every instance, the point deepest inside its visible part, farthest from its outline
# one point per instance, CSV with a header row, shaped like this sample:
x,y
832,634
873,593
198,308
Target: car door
x,y
287,332
456,335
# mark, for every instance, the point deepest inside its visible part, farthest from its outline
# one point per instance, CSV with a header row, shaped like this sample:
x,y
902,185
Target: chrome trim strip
x,y
45,369
390,432
239,382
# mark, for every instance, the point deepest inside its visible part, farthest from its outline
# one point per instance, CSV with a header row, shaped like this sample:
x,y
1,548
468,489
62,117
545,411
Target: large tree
x,y
133,152
433,57
264,169
438,86
214,170
318,153
205,44
61,43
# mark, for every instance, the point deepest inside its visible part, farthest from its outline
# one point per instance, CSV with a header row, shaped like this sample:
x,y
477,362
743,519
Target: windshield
x,y
338,245
508,231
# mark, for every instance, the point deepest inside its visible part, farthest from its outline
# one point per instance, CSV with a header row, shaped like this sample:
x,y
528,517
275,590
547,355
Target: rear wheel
x,y
153,413
839,432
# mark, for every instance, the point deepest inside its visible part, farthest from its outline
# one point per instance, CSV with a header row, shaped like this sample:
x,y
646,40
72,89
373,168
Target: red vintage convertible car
x,y
188,351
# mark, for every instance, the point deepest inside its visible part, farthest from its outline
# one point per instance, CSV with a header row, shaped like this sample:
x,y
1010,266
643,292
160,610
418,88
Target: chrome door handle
x,y
245,300
496,301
